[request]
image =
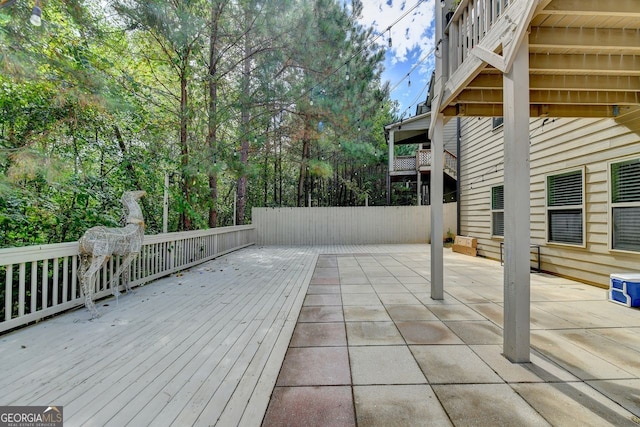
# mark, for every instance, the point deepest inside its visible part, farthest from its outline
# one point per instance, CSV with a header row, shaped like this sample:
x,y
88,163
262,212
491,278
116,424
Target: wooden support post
x,y
391,163
437,167
391,150
436,195
517,297
418,183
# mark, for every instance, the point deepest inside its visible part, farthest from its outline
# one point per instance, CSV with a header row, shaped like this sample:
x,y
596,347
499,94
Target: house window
x,y
565,208
496,122
625,205
497,210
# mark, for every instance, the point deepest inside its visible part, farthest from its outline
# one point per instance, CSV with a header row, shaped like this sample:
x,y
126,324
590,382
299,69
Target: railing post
x,y
54,290
418,185
45,283
65,279
8,292
21,288
171,249
34,286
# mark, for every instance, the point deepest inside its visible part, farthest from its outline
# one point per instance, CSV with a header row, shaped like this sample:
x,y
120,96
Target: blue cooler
x,y
625,289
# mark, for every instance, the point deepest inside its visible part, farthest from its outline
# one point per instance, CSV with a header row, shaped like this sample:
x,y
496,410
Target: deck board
x,y
179,381
126,357
238,387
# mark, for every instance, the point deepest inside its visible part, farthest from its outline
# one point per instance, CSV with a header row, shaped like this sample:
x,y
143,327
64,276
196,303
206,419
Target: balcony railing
x,y
404,163
469,24
40,281
423,160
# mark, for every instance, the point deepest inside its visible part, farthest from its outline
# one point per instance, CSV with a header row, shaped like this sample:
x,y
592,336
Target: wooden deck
x,y
203,347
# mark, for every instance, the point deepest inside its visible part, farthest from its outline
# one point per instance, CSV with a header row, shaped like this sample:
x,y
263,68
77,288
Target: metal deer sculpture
x,y
98,244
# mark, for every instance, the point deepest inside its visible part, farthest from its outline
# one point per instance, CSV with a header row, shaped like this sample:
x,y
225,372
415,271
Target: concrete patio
x,y
332,335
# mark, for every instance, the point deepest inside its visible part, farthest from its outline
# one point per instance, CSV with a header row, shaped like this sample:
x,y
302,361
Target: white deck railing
x,y
40,281
404,163
469,24
423,161
451,164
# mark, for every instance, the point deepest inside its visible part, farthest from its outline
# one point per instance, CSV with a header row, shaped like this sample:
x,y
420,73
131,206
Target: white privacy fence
x,y
348,225
39,281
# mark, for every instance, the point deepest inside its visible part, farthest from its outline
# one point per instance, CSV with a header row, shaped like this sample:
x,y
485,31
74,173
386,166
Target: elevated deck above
x,y
421,162
584,56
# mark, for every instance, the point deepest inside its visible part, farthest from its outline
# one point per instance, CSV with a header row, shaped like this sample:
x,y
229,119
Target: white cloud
x,y
412,46
414,31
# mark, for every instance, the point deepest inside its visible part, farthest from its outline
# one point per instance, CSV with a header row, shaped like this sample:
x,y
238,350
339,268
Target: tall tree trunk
x,y
149,218
278,166
304,164
185,217
265,174
212,137
66,224
244,126
302,179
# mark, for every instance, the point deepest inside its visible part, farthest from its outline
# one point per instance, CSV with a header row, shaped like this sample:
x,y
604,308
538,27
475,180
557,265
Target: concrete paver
x,y
453,364
384,365
487,405
315,366
311,406
373,333
415,361
398,405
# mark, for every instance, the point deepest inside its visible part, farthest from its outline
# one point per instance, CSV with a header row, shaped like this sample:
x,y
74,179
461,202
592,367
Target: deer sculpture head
x,y
130,201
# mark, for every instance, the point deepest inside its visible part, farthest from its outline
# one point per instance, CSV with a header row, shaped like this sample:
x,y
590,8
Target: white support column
x,y
517,214
419,185
436,194
391,150
390,168
437,159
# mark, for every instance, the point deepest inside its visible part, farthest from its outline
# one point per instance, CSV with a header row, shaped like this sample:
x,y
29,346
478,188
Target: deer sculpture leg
x,y
122,268
88,277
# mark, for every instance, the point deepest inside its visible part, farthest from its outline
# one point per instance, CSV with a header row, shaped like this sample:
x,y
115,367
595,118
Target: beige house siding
x,y
556,146
449,135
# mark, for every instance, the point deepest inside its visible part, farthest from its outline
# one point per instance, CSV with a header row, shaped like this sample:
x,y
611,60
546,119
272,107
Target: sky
x,y
412,46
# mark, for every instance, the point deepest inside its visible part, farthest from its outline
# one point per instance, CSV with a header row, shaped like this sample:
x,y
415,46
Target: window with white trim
x,y
625,205
497,210
497,122
565,208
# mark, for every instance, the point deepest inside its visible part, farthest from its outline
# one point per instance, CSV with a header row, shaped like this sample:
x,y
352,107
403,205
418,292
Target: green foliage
x,y
223,97
320,169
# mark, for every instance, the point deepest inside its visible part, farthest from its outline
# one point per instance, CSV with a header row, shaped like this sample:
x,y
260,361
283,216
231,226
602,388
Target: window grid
x,y
497,211
565,208
625,205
